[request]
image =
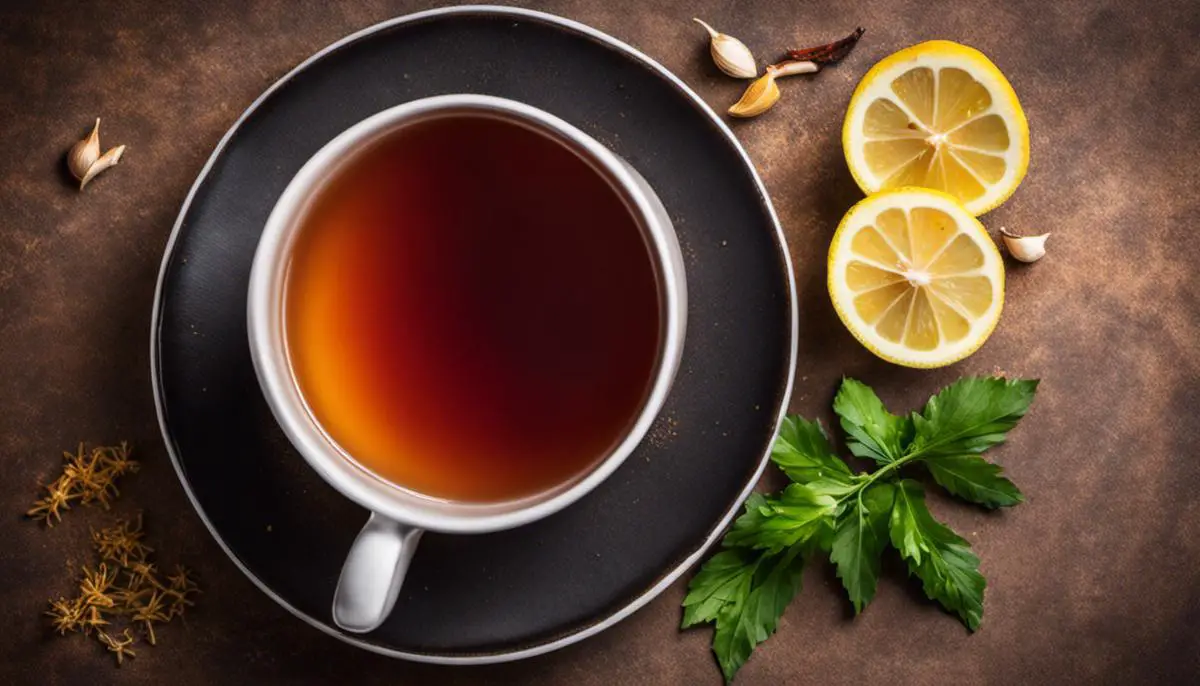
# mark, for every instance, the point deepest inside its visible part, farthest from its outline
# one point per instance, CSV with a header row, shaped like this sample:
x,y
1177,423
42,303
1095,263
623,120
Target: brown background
x,y
1094,579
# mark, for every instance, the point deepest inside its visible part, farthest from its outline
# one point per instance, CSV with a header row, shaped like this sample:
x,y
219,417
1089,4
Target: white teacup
x,y
376,564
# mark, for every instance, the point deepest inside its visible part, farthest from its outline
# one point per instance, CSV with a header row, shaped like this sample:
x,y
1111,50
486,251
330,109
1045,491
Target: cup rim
x,y
272,363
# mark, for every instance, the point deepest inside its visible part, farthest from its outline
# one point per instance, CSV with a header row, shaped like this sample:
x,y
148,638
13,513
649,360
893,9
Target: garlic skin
x,y
84,153
1024,248
793,67
84,160
730,54
108,159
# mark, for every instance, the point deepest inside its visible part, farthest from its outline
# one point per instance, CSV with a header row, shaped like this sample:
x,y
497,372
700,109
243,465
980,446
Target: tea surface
x,y
471,311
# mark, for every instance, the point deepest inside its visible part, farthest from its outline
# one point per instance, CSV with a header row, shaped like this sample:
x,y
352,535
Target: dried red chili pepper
x,y
830,53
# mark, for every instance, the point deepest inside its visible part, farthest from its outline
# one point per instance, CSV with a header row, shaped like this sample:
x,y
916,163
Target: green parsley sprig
x,y
744,589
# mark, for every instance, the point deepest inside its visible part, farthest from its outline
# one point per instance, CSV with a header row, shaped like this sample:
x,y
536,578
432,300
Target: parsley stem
x,y
873,476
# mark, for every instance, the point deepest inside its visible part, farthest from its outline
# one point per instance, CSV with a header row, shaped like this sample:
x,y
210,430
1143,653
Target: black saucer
x,y
526,591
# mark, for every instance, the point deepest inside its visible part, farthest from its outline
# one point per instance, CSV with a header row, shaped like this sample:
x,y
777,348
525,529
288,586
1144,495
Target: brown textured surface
x,y
1096,578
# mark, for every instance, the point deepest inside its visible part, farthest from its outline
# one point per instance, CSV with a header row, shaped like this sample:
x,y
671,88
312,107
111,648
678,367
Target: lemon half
x,y
915,277
938,115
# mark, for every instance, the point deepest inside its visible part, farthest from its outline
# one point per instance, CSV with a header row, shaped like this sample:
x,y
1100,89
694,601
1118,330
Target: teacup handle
x,y
373,573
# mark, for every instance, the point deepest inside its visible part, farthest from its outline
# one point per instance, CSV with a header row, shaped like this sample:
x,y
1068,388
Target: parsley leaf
x,y
965,419
798,515
743,625
971,415
803,452
873,432
858,542
949,571
723,580
973,478
744,590
744,532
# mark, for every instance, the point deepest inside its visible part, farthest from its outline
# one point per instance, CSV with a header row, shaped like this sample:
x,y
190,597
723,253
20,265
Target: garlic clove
x,y
730,54
108,159
84,153
758,98
1024,248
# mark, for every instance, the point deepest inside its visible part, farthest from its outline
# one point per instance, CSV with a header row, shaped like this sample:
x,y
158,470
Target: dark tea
x,y
471,311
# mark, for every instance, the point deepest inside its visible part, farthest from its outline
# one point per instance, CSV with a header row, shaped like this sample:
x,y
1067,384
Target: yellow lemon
x,y
915,277
938,115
